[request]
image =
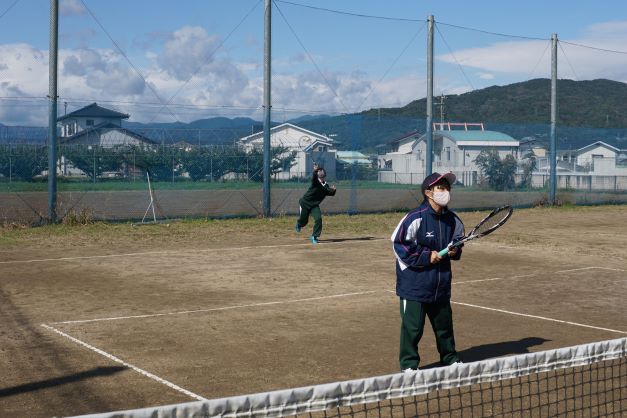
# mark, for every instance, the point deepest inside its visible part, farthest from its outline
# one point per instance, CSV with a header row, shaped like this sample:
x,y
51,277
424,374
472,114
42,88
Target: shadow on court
x,y
500,349
58,381
348,239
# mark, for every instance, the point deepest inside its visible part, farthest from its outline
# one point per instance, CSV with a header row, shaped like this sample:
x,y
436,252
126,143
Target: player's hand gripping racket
x,y
488,225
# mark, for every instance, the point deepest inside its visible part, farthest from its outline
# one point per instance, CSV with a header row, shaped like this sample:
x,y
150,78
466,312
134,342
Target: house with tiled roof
x,y
455,148
97,126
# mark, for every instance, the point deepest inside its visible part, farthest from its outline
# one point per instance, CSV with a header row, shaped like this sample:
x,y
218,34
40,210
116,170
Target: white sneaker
x,y
408,370
456,363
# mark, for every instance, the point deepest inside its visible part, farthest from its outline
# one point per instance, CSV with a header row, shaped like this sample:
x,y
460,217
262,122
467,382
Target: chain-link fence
x,y
114,179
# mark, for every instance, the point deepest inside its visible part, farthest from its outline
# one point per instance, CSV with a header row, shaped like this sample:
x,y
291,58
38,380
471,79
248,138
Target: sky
x,y
163,61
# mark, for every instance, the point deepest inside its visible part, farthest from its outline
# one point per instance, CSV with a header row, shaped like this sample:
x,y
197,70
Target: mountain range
x,y
587,111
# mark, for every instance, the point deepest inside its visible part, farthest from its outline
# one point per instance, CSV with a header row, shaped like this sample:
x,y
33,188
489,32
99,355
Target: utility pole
x,y
52,111
429,131
441,104
266,105
553,143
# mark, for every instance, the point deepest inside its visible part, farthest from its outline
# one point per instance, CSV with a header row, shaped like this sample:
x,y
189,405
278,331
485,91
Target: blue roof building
x,y
455,148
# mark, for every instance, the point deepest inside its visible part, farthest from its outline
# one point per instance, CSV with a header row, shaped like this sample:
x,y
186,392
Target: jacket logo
x,y
429,234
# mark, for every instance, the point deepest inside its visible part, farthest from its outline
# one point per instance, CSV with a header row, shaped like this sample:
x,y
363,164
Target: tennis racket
x,y
487,225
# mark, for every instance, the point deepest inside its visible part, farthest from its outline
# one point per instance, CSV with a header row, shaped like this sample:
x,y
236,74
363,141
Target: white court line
x,y
249,305
250,247
533,316
130,366
544,318
532,275
494,278
117,318
589,268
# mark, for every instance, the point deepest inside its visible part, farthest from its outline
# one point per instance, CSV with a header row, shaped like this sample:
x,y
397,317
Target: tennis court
x,y
171,314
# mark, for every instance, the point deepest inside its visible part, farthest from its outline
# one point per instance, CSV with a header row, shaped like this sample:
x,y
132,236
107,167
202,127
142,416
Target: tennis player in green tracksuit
x,y
310,202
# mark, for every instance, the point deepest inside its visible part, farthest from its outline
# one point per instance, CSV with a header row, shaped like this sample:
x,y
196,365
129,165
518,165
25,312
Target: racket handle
x,y
443,252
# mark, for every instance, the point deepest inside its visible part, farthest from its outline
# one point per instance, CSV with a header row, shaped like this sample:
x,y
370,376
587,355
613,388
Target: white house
x,y
455,148
97,126
599,158
309,147
597,166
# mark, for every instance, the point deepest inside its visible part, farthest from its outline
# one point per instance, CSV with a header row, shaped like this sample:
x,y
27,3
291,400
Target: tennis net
x,y
584,380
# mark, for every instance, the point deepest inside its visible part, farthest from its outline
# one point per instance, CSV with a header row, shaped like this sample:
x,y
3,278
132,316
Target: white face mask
x,y
441,197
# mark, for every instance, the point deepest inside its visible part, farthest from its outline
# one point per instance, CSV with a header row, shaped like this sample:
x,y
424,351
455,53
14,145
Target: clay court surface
x,y
110,317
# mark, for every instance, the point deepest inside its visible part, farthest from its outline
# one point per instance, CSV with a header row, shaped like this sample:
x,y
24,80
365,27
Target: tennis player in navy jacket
x,y
423,278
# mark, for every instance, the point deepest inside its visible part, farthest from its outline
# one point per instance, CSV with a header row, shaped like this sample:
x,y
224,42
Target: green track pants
x,y
412,325
315,212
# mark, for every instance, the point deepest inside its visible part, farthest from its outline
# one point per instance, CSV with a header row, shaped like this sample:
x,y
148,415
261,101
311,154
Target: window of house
x,y
448,153
90,122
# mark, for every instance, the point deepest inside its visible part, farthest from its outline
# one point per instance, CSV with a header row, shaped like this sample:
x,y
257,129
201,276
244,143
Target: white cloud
x,y
204,84
71,8
23,69
518,58
531,59
606,30
190,50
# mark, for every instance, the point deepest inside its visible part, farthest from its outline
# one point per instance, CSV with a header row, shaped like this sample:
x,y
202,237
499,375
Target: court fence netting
x,y
377,164
583,380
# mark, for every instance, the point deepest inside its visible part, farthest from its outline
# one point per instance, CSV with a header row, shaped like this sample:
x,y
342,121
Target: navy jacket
x,y
421,231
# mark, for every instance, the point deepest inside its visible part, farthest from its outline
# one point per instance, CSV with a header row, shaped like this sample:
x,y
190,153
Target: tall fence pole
x,y
355,123
553,147
266,105
52,111
429,127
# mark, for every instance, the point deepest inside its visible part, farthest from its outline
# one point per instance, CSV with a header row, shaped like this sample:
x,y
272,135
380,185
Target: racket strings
x,y
492,222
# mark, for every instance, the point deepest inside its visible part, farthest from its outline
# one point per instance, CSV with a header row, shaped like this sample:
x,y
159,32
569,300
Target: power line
x,y
595,48
125,56
493,33
23,98
150,104
212,54
398,19
9,8
393,63
568,61
455,58
531,38
312,60
540,60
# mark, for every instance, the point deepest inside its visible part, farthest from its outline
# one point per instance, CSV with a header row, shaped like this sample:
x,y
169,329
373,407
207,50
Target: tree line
x,y
162,162
208,163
